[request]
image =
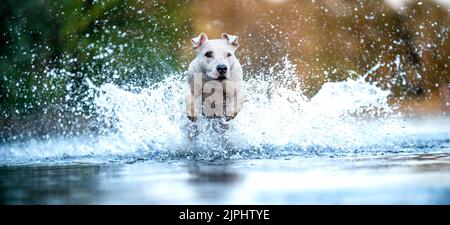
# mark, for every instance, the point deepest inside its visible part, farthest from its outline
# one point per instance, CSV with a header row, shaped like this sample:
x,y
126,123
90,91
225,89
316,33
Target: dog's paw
x,y
228,118
192,118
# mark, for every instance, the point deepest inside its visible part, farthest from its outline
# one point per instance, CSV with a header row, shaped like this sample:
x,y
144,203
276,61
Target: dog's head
x,y
216,57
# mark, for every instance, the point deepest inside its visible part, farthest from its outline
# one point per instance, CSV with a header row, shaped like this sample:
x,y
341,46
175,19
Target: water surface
x,y
409,178
345,145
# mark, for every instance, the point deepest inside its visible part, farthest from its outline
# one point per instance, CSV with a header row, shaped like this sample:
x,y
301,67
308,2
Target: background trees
x,y
49,47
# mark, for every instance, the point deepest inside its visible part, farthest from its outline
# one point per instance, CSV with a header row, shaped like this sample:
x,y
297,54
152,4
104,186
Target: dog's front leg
x,y
193,109
235,95
193,106
193,94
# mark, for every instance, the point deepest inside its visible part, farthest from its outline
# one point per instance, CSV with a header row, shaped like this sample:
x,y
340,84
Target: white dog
x,y
215,87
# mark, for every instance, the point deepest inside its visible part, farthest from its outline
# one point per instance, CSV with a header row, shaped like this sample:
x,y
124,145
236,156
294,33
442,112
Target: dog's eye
x,y
208,54
229,54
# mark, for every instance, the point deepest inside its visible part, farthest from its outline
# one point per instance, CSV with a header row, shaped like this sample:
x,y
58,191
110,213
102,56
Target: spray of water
x,y
277,120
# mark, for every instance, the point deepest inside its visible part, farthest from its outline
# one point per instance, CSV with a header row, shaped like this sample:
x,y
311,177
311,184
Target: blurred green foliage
x,y
49,47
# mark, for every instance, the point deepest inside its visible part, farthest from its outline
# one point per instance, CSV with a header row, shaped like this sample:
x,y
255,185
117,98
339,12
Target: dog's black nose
x,y
222,69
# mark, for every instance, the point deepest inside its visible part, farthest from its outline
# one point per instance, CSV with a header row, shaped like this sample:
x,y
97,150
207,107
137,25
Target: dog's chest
x,y
215,97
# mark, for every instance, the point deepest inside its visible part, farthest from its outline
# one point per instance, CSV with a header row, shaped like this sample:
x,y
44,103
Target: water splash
x,y
277,120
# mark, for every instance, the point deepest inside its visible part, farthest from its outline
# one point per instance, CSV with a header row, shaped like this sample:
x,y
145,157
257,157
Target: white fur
x,y
206,67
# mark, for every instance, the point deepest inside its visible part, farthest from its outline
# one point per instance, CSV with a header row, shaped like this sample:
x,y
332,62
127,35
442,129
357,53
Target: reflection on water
x,y
212,181
390,179
49,185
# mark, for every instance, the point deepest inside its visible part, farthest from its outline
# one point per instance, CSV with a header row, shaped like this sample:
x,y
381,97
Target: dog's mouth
x,y
221,77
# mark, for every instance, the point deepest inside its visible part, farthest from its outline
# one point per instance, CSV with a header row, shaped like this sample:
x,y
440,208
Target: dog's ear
x,y
232,39
198,41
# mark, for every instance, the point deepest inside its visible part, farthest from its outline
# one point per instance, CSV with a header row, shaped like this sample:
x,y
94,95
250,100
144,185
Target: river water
x,y
345,145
